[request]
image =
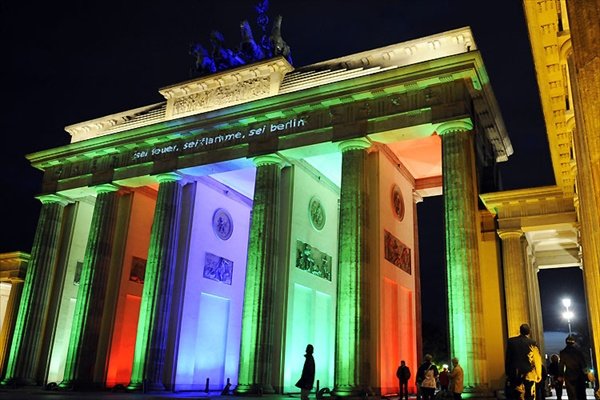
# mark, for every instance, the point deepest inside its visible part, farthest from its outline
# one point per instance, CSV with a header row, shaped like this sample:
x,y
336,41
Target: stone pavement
x,y
39,394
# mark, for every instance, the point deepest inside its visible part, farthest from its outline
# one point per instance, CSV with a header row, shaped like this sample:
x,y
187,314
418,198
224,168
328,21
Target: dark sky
x,y
65,62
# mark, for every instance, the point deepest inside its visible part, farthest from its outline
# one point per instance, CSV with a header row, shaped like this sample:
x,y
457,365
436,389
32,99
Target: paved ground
x,y
38,394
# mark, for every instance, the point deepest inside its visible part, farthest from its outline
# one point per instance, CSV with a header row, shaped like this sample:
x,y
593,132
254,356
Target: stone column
x,y
10,318
153,326
462,253
584,65
24,356
353,344
417,198
256,352
85,330
516,295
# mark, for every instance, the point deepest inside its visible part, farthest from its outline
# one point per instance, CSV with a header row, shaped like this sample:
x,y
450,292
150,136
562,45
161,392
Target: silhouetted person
x,y
457,377
444,379
403,374
555,376
427,376
572,369
307,378
540,387
523,365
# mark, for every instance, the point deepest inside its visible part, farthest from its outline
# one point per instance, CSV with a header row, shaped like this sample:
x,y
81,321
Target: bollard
x,y
225,390
318,385
206,388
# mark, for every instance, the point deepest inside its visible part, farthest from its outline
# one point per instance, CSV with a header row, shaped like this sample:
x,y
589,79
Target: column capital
x,y
269,159
354,144
105,188
510,233
53,198
167,177
417,198
459,125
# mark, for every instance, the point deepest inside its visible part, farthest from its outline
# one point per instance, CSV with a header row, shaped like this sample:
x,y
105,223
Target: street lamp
x,y
567,314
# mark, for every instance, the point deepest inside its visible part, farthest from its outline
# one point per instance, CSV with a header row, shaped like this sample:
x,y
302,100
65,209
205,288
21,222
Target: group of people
x,y
525,372
451,382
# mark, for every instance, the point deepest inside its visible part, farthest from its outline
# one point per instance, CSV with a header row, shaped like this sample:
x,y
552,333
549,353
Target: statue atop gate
x,y
221,58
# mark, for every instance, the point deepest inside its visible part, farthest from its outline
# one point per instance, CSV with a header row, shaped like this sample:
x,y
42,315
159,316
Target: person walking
x,y
523,366
307,378
403,375
456,380
571,368
427,376
555,376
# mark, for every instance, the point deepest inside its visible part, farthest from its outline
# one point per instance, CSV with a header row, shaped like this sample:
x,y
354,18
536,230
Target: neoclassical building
x,y
556,226
206,239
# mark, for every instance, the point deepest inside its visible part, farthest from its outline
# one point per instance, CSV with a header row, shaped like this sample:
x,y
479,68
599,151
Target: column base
x,y
255,389
353,392
17,382
146,386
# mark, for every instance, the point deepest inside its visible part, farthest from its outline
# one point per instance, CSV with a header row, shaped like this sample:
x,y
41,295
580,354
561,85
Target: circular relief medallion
x,y
397,203
316,213
222,224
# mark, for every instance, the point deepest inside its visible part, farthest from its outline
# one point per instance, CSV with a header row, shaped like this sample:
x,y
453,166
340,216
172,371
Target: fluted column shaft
x,y
353,336
153,326
516,295
584,65
23,360
256,351
10,319
85,330
462,256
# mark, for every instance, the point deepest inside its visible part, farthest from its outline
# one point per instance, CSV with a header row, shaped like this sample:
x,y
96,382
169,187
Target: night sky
x,y
65,62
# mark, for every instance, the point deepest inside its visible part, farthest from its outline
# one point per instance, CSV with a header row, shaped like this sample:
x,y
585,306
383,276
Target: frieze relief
x,y
211,99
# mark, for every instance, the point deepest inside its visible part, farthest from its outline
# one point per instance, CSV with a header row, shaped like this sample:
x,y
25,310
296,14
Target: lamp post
x,y
567,314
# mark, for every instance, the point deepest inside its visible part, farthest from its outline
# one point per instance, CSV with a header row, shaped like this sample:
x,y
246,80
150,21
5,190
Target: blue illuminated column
x,y
353,344
23,362
256,353
462,254
155,309
83,342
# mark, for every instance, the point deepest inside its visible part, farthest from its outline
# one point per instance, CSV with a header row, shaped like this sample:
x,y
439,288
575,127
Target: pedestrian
x,y
444,378
540,387
456,380
572,369
403,374
523,366
307,378
427,377
555,376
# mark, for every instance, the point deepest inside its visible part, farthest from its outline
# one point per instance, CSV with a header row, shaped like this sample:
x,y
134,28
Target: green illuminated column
x,y
8,326
256,352
465,314
352,340
515,280
153,327
23,360
83,342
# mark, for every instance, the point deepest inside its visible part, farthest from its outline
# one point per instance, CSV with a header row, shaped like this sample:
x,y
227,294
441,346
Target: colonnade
x,y
354,339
